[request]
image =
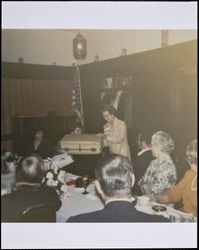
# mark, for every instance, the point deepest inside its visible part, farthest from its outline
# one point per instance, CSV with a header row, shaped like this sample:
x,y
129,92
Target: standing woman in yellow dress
x,y
115,133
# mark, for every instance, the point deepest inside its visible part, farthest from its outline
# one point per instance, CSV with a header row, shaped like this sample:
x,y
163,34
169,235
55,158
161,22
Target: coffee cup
x,y
143,200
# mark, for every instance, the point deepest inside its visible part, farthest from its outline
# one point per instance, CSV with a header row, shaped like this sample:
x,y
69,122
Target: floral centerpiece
x,y
9,162
55,178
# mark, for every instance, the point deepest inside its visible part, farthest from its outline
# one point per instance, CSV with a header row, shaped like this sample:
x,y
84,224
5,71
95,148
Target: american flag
x,y
77,107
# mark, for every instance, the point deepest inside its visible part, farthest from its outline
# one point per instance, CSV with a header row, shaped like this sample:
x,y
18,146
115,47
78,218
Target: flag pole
x,y
82,110
77,87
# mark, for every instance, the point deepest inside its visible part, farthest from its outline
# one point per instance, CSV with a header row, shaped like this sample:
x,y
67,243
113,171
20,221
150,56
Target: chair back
x,y
39,213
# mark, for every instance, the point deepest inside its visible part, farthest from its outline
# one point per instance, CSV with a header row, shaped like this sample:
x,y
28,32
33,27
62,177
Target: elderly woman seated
x,y
160,176
186,189
27,190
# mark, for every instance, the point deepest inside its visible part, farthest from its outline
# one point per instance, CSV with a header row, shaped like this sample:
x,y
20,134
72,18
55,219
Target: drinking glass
x,y
85,183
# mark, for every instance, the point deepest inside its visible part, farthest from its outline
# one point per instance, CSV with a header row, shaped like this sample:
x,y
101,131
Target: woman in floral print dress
x,y
160,176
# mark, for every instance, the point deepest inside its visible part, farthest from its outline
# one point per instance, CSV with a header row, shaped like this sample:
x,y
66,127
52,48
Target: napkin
x,y
71,182
62,160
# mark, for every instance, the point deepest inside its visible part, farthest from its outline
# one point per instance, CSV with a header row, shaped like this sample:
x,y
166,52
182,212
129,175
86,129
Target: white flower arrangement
x,y
107,128
55,178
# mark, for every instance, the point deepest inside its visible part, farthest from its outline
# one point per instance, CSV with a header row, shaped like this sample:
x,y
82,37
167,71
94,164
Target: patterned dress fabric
x,y
159,177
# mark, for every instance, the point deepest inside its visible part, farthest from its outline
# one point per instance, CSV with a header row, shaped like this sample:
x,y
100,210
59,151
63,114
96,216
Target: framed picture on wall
x,y
116,82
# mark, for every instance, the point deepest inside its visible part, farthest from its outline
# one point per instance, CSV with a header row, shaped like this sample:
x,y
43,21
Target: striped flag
x,y
77,107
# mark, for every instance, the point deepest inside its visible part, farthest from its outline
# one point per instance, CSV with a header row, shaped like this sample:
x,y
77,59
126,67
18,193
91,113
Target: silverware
x,y
172,218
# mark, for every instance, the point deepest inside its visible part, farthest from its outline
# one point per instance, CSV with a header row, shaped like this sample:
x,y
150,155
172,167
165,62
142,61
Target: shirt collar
x,y
142,151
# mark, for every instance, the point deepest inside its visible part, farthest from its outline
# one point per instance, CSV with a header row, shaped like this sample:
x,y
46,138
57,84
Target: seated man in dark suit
x,y
143,159
40,145
28,190
114,180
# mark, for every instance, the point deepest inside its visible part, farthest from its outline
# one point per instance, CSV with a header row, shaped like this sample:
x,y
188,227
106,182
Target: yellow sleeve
x,y
175,194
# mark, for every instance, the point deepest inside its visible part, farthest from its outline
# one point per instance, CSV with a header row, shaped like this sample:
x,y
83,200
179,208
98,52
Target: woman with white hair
x,y
186,189
160,176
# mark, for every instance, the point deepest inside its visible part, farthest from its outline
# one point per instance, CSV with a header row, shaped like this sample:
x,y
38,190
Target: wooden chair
x,y
39,213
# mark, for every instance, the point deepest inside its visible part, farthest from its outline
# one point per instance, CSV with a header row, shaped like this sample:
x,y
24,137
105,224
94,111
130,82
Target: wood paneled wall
x,y
33,97
164,91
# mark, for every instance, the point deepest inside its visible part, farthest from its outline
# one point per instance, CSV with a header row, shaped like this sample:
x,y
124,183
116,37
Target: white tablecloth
x,y
76,202
177,216
6,182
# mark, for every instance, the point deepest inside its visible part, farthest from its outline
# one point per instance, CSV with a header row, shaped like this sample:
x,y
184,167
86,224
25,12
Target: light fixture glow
x,y
79,47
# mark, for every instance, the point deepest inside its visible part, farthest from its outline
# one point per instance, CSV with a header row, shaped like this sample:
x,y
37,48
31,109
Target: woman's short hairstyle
x,y
75,125
163,141
114,173
191,152
109,108
30,169
145,136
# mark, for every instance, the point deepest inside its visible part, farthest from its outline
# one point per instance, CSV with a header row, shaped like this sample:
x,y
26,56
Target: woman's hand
x,y
163,199
103,136
152,198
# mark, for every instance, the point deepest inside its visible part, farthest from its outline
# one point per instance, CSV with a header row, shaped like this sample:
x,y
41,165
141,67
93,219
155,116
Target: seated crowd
x,y
118,179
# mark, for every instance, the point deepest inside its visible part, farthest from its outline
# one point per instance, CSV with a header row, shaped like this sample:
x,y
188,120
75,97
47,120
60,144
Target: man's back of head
x,y
115,176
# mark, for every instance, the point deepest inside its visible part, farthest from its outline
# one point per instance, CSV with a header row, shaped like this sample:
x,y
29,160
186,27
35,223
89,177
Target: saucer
x,y
159,208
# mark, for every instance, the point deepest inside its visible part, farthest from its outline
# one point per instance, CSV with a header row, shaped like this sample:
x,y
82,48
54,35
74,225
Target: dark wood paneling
x,y
35,71
164,87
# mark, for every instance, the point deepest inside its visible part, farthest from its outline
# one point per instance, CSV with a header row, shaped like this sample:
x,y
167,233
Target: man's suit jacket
x,y
140,165
13,204
44,150
117,211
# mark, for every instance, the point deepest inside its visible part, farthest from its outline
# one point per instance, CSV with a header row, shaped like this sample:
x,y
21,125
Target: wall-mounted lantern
x,y
79,47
